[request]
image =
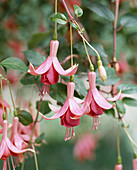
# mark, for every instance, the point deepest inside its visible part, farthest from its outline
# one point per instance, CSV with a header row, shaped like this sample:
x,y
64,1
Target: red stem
x,y
67,10
115,30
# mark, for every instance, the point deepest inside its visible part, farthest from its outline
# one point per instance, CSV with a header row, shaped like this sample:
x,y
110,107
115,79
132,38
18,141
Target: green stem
x,y
2,96
55,31
23,163
35,157
71,44
118,141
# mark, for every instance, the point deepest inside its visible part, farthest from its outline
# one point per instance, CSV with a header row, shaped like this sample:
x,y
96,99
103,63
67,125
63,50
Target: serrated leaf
x,y
110,112
58,92
34,57
129,20
37,38
100,10
39,139
25,117
111,77
14,64
59,18
78,11
120,107
74,25
44,108
130,101
127,88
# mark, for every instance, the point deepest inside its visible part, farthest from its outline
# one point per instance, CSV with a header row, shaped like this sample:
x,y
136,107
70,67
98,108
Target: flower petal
x,y
115,97
79,101
61,71
96,108
2,148
100,100
85,107
75,108
52,75
59,113
53,108
44,67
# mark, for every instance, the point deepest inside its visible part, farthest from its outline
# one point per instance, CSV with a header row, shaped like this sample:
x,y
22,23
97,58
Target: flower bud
x,y
118,167
134,164
102,71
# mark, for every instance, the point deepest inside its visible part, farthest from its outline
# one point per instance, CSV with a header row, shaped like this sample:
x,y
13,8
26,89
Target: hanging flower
x,y
7,148
69,111
51,68
134,161
95,104
6,105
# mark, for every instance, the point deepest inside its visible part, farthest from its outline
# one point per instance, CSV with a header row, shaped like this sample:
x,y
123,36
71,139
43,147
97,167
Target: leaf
x,y
58,92
44,108
25,117
74,25
79,85
127,88
99,9
14,64
34,57
39,139
110,112
37,38
129,20
78,11
130,101
111,77
29,79
59,18
120,106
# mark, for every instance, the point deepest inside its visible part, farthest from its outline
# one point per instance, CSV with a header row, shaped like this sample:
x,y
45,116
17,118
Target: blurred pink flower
x,y
85,147
118,167
6,105
10,23
68,113
95,104
134,161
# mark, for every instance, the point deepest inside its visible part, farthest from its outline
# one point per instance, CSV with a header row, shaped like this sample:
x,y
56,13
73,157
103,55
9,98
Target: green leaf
x,y
127,88
25,117
39,139
78,11
34,57
58,92
74,25
111,77
37,38
79,85
120,106
14,64
130,101
59,18
110,112
44,108
29,79
129,20
100,10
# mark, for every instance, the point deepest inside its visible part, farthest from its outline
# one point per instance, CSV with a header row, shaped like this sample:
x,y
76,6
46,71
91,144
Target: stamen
x,y
5,165
66,135
12,163
73,133
69,134
45,89
9,164
96,122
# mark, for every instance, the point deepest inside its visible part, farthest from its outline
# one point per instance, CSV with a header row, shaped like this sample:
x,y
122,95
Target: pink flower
x,y
16,139
6,105
51,68
85,147
69,111
7,148
118,167
95,104
134,164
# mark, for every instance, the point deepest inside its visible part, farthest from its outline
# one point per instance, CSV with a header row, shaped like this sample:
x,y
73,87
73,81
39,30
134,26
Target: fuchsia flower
x,y
95,104
16,139
134,164
85,147
6,105
51,68
7,148
118,167
68,112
